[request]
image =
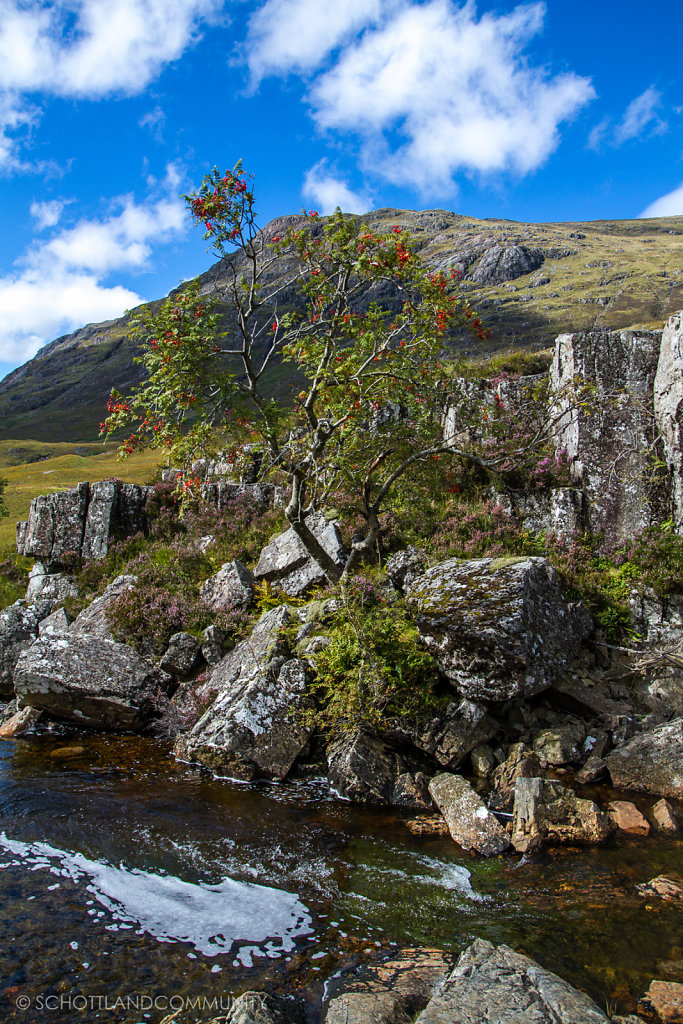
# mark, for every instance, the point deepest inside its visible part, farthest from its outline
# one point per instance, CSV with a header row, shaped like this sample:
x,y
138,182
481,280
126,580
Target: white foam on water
x,y
210,917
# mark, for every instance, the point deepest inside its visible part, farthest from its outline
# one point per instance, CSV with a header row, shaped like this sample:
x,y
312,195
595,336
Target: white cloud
x,y
326,191
61,283
86,48
296,35
93,47
15,116
640,113
47,214
436,90
670,205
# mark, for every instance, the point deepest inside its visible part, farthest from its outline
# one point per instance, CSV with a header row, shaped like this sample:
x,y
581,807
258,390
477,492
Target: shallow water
x,y
130,883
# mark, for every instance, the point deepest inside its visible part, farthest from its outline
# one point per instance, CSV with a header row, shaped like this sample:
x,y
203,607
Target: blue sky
x,y
109,109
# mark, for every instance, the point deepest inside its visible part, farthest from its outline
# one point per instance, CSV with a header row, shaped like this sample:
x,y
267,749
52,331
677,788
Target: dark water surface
x,y
127,878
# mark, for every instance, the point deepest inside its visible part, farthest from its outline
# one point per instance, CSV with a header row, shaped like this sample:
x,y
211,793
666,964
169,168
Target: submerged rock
x,y
392,991
89,681
546,811
255,726
651,762
497,627
495,985
469,821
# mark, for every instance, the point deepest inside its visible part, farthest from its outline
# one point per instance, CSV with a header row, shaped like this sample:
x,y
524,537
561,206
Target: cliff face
x,y
531,282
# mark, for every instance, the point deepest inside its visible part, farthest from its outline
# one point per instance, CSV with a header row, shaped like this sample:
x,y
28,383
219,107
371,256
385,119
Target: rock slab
x,y
469,821
253,728
89,681
496,985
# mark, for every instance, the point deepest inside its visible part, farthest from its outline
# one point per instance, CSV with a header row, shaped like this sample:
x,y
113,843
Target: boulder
x,y
285,562
495,984
651,762
19,624
450,736
213,638
405,566
664,816
20,723
181,655
71,526
497,627
231,587
562,745
469,821
364,768
255,727
546,811
93,620
521,763
256,497
595,768
258,1008
483,761
51,587
668,406
628,818
89,681
608,439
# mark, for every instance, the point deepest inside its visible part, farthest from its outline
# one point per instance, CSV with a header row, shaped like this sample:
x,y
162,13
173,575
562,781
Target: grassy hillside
x,y
59,472
612,274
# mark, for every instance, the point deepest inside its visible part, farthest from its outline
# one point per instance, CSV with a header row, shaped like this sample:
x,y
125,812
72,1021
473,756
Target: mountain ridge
x,y
529,282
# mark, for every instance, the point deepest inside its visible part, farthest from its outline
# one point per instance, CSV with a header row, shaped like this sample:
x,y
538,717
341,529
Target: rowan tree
x,y
365,341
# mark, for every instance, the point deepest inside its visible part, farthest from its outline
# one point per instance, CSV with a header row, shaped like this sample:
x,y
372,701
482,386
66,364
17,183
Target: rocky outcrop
x,y
498,628
88,681
224,493
254,727
19,626
285,562
469,821
502,263
77,525
495,984
651,762
607,434
546,811
363,768
93,620
231,587
668,409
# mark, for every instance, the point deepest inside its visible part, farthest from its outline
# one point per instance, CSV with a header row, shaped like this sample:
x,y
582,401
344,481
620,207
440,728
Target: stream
x,y
132,885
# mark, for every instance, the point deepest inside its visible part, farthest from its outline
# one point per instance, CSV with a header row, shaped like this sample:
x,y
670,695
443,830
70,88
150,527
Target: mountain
x,y
530,282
